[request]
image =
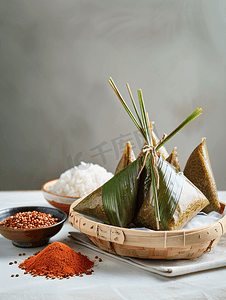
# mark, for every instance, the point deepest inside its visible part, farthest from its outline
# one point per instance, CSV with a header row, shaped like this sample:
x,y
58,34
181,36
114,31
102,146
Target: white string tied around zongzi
x,y
152,150
146,150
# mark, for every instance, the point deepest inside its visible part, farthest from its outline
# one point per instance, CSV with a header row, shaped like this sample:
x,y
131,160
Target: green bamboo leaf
x,y
170,188
145,182
92,206
119,195
169,192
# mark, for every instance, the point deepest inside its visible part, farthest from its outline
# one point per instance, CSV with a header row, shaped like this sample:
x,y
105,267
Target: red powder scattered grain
x,y
57,260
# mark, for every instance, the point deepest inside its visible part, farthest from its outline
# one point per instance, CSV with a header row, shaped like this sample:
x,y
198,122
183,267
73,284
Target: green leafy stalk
x,y
190,118
134,105
139,127
144,117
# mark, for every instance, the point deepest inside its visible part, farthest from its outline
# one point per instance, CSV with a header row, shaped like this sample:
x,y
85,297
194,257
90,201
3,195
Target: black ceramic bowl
x,y
35,237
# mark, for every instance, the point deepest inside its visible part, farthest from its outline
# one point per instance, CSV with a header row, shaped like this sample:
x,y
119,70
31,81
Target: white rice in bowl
x,y
81,181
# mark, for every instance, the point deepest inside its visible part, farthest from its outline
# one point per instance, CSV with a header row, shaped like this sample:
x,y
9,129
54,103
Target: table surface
x,y
112,279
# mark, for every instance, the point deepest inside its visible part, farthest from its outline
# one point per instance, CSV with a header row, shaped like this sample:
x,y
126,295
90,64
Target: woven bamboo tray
x,y
177,244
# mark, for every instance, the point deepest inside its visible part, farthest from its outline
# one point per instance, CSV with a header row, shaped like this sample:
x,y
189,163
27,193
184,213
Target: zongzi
x,y
173,159
198,170
92,206
127,158
179,200
115,202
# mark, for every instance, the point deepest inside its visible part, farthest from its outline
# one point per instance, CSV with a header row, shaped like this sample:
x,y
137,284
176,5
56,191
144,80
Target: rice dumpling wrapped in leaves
x,y
173,159
92,206
198,169
115,202
127,158
178,199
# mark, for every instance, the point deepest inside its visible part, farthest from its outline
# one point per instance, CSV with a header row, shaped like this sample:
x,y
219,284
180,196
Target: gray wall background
x,y
57,107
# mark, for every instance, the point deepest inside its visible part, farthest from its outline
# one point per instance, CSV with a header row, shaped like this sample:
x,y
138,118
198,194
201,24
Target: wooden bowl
x,y
61,202
35,237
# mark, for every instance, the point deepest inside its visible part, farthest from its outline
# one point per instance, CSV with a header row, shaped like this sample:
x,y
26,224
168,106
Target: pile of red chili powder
x,y
57,261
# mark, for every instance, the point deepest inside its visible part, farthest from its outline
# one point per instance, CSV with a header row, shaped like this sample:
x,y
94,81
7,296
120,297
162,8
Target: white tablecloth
x,y
112,279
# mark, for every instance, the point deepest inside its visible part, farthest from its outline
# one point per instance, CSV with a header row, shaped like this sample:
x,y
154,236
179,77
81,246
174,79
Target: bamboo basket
x,y
177,244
